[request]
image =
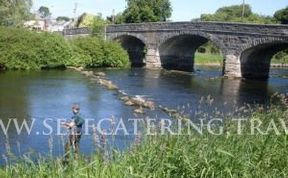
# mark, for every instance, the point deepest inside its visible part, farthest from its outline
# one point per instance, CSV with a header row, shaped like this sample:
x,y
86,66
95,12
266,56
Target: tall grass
x,y
194,155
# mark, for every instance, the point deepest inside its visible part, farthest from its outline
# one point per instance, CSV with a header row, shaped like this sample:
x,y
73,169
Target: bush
x,y
99,53
23,49
234,14
27,50
281,57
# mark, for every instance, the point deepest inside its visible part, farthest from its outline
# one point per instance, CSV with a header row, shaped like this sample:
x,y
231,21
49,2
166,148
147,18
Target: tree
x,y
89,20
282,15
14,13
96,23
117,19
229,13
235,14
147,11
63,18
44,12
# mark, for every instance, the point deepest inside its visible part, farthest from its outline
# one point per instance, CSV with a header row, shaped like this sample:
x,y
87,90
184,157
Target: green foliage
x,y
13,13
209,47
89,20
282,15
228,155
96,23
85,20
96,52
117,19
27,50
234,14
235,10
22,49
98,27
114,54
259,19
44,12
281,57
62,18
147,11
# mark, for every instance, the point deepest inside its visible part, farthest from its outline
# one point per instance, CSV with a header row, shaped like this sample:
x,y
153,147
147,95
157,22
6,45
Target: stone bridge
x,y
247,49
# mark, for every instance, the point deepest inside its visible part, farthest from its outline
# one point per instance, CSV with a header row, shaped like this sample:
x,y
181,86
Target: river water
x,y
36,96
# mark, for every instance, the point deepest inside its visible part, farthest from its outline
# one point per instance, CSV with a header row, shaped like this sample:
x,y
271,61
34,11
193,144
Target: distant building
x,y
54,25
37,25
50,25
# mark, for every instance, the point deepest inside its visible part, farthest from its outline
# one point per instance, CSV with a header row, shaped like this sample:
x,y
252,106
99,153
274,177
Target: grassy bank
x,y
208,59
217,59
228,155
27,50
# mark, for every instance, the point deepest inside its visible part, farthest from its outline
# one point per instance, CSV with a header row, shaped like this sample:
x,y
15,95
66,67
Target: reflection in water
x,y
184,90
13,105
245,91
175,89
50,94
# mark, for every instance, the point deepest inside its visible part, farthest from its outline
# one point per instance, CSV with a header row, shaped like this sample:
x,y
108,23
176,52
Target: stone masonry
x,y
247,49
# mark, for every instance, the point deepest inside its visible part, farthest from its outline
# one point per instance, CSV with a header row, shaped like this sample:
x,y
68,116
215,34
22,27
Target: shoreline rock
x,y
79,69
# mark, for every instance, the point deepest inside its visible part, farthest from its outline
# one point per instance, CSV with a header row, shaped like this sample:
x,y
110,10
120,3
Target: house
x,y
50,25
54,26
37,25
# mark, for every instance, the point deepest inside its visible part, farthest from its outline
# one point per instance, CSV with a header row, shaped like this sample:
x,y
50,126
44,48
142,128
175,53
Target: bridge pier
x,y
232,66
152,58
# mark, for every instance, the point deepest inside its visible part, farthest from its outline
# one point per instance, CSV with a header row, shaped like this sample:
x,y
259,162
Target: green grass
x,y
208,59
217,59
228,155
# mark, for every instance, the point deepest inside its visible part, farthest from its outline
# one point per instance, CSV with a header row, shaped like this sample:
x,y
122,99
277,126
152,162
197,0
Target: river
x,y
37,95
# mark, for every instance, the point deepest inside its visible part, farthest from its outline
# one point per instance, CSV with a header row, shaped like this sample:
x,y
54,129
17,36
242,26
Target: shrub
x,y
99,53
23,49
281,57
27,50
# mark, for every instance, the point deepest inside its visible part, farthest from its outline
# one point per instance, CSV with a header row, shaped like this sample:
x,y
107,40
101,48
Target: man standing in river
x,y
75,129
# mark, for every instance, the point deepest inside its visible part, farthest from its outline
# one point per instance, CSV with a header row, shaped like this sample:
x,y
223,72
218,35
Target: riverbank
x,y
208,59
216,60
248,154
210,64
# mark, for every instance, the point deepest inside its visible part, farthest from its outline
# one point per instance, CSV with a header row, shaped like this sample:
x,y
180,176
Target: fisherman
x,y
75,129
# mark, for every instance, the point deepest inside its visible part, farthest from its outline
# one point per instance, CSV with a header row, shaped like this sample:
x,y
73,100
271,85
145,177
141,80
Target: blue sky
x,y
183,10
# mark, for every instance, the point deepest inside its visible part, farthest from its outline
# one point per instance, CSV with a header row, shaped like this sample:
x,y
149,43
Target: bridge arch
x,y
255,60
135,46
177,51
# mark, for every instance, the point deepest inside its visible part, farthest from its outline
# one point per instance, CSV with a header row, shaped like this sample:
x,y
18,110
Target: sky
x,y
183,10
